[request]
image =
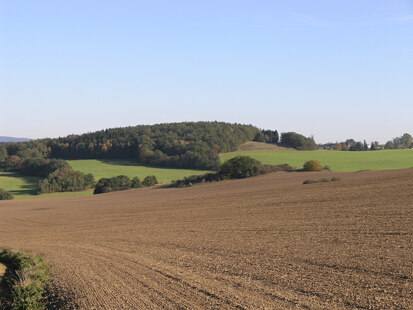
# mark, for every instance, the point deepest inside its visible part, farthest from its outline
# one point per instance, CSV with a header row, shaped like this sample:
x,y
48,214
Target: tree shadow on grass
x,y
120,162
26,189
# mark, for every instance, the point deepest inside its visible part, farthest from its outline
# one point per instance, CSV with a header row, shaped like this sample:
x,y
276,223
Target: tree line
x,y
403,142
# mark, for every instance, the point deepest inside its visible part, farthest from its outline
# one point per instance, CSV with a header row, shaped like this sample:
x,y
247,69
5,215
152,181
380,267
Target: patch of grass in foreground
x,y
105,168
27,277
336,160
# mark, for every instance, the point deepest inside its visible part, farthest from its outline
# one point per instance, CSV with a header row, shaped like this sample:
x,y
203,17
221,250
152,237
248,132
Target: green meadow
x,y
102,168
336,160
25,187
19,186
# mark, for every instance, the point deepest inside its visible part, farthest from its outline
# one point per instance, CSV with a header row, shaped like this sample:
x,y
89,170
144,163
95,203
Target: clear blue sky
x,y
332,69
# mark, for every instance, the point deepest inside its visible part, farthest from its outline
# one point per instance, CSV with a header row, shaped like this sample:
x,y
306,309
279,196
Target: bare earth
x,y
263,243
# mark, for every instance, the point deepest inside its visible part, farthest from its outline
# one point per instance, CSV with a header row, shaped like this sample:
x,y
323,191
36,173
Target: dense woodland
x,y
181,145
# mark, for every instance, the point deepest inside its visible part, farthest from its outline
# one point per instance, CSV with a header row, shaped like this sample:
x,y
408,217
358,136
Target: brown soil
x,y
268,242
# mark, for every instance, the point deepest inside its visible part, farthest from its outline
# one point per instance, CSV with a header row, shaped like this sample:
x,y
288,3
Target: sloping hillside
x,y
268,242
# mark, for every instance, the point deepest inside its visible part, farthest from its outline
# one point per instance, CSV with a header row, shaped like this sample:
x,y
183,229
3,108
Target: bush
x,y
333,179
4,195
66,180
240,167
312,165
324,180
136,183
118,183
150,180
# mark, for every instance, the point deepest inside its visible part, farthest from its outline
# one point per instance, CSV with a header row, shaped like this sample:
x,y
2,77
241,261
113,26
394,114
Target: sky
x,y
333,69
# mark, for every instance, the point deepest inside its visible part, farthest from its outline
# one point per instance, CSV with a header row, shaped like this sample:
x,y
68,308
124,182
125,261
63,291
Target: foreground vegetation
x,y
336,160
27,280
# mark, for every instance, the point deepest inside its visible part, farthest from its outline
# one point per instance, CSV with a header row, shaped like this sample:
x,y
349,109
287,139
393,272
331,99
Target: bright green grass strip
x,y
25,187
336,160
19,186
109,168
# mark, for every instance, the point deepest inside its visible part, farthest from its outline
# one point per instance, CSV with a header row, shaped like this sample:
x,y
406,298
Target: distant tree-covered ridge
x,y
193,145
183,145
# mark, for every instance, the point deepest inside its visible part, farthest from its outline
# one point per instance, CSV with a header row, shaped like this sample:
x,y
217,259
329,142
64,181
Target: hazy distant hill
x,y
12,139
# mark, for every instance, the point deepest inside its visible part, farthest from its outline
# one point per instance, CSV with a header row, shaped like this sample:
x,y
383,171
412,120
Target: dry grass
x,y
261,146
262,243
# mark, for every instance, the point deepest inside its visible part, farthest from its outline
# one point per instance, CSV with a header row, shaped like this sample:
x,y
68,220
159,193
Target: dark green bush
x,y
150,180
136,183
66,180
106,185
312,165
4,195
240,167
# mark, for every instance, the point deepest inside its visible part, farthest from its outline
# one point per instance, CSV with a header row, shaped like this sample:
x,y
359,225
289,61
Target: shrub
x,y
333,179
118,183
312,165
324,180
4,195
240,167
66,179
136,182
150,180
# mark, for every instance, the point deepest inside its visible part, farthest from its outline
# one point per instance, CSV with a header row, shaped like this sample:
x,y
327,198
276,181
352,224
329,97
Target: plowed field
x,y
268,242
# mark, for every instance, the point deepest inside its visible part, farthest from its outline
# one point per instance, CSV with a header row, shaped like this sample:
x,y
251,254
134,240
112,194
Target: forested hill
x,y
184,145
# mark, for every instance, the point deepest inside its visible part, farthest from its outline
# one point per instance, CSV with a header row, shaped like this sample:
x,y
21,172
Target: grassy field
x,y
109,168
336,160
19,186
25,187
